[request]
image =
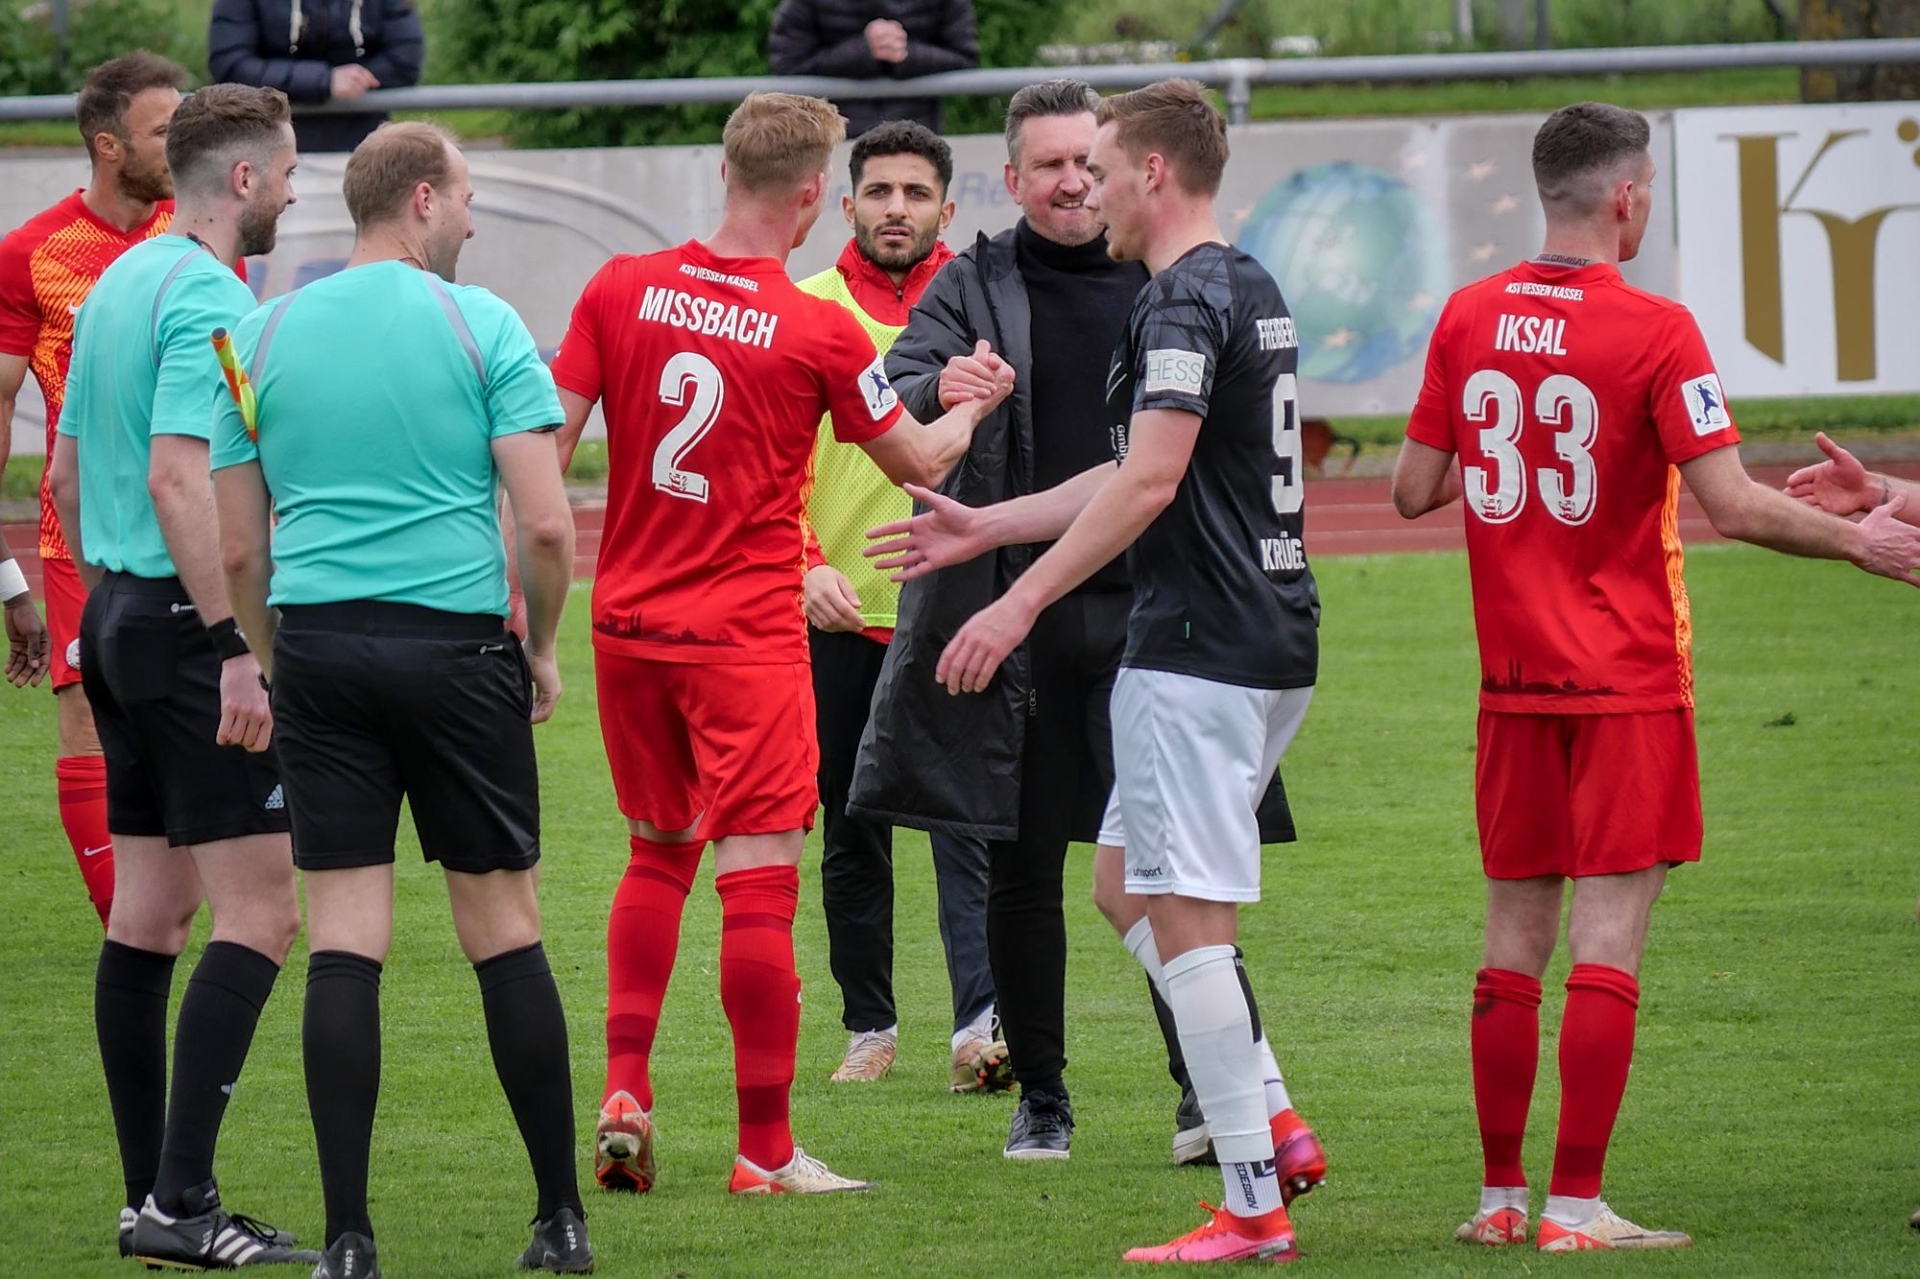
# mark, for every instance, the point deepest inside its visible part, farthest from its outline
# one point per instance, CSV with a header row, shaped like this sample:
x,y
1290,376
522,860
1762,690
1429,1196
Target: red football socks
x,y
82,785
1506,1055
1596,1047
643,937
760,990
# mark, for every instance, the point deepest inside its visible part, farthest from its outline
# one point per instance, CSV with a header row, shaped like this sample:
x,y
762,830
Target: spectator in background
x,y
319,51
869,39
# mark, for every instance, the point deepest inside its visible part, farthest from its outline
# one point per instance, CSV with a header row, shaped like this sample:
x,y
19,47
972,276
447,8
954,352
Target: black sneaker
x,y
207,1237
1042,1127
1192,1140
559,1245
350,1256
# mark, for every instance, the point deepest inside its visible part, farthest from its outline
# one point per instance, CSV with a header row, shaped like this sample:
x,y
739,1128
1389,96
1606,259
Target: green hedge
x,y
96,31
534,40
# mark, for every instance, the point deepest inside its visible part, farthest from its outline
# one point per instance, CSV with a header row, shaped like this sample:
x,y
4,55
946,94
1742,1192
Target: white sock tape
x,y
12,581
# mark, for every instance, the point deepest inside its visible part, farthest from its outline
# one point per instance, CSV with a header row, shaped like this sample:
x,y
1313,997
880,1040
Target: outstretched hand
x,y
946,533
1890,547
1838,486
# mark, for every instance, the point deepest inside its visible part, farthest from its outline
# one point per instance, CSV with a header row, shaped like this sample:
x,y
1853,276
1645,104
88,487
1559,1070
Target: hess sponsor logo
x,y
1173,370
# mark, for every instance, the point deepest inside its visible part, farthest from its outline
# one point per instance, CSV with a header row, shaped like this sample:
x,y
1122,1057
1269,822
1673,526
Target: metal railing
x,y
1235,76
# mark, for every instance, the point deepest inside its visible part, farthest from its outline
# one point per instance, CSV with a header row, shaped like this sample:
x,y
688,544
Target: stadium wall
x,y
1367,224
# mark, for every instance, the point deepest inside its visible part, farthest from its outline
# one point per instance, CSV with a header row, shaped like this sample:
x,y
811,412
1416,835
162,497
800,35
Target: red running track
x,y
1344,517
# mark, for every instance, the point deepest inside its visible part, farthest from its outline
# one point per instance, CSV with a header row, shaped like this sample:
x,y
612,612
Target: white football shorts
x,y
1191,758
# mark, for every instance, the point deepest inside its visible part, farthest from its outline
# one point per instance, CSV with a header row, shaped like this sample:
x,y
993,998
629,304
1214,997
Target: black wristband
x,y
228,642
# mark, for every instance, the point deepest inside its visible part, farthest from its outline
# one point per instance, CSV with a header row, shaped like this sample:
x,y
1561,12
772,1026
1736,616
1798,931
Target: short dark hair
x,y
1049,97
390,163
902,137
111,87
220,125
1583,141
1176,119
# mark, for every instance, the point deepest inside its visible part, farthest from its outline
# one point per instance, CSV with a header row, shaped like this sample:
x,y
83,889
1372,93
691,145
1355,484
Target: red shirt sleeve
x,y
1431,422
859,397
576,367
19,308
1689,409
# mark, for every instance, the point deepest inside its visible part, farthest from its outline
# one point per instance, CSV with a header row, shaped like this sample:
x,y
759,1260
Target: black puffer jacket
x,y
294,45
929,761
829,37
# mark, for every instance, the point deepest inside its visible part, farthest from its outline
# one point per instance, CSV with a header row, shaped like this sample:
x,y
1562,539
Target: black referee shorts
x,y
375,702
154,681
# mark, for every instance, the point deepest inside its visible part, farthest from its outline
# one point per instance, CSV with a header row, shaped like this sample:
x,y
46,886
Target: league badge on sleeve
x,y
1706,405
878,391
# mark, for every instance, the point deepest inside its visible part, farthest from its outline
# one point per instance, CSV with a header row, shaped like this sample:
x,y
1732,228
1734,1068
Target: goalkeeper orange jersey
x,y
47,267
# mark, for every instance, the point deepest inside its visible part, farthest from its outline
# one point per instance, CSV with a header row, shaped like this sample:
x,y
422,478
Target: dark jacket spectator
x,y
318,51
869,39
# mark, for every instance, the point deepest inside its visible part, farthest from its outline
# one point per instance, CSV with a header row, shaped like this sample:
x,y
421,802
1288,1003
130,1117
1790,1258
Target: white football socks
x,y
1494,1198
1216,1034
1140,943
1565,1210
980,1027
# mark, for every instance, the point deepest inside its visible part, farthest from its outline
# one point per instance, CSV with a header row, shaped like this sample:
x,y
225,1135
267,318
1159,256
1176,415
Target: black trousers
x,y
1075,652
856,873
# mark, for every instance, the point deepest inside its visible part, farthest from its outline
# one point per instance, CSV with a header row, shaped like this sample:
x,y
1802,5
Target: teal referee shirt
x,y
143,365
381,390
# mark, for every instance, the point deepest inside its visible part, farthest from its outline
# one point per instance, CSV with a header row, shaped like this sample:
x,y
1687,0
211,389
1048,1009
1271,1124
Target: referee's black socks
x,y
218,1014
130,990
527,1031
340,1040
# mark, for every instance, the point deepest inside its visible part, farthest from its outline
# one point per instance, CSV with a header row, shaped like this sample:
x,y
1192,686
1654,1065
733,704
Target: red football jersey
x,y
48,265
1570,397
715,373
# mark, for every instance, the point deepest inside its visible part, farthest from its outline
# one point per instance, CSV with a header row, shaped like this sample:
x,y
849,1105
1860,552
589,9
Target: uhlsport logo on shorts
x,y
1172,370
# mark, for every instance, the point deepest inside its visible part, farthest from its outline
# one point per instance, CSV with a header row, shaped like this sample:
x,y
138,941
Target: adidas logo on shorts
x,y
275,801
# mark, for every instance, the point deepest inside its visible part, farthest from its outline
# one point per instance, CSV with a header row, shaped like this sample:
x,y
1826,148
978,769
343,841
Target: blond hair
x,y
1178,121
390,163
776,141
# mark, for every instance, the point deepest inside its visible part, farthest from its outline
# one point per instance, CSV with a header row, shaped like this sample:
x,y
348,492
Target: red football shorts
x,y
1580,795
66,598
729,747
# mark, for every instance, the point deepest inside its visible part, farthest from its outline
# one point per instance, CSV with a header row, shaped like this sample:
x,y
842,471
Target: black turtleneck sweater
x,y
1080,299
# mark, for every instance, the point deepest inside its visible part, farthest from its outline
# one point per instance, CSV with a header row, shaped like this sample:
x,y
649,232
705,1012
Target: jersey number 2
x,y
1497,491
686,369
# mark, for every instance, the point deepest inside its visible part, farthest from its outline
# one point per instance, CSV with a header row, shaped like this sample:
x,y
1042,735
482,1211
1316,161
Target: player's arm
x,y
912,453
1160,445
1424,479
63,478
1748,511
939,333
577,409
245,513
949,532
1841,486
28,657
543,542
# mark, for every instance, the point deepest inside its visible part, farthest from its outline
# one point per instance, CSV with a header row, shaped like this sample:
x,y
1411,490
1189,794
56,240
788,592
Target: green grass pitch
x,y
1774,1110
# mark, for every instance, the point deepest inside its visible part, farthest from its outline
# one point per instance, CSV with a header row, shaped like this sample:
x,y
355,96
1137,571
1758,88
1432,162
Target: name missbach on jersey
x,y
709,317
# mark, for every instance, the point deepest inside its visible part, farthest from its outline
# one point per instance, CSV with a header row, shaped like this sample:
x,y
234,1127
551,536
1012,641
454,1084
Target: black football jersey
x,y
1221,587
